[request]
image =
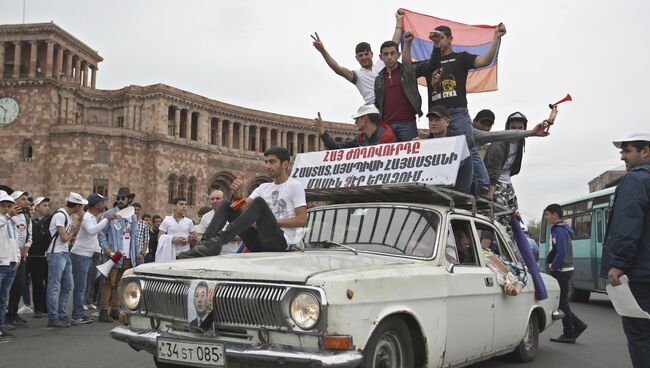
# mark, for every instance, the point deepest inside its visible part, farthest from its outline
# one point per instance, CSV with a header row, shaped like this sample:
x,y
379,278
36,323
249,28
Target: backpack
x,y
41,237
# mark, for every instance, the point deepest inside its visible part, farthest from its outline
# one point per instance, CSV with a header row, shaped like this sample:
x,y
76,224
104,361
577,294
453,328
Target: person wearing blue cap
x,y
82,252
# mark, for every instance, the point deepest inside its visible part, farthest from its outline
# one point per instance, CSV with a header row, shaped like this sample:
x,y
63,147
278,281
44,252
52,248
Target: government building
x,y
59,133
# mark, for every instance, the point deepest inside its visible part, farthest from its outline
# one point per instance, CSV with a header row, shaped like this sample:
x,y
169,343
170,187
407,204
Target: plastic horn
x,y
566,98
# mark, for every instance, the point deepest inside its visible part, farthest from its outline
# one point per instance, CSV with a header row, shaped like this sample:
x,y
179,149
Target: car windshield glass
x,y
404,231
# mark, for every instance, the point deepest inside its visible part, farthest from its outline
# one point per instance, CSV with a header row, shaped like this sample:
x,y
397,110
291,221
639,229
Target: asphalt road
x,y
603,345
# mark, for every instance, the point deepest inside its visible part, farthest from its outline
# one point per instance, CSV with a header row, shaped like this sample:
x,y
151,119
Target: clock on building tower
x,y
8,110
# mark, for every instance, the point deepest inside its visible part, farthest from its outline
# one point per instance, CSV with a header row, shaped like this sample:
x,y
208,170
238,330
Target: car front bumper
x,y
146,339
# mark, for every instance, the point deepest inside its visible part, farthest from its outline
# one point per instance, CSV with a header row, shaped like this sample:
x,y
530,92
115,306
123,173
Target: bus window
x,y
599,225
582,226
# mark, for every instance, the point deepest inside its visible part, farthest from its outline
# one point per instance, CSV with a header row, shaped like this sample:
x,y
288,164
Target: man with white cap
x,y
64,226
370,130
626,250
9,256
22,227
36,261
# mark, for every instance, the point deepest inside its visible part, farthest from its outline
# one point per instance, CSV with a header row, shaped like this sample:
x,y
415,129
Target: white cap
x,y
632,138
365,110
76,198
17,194
40,200
4,197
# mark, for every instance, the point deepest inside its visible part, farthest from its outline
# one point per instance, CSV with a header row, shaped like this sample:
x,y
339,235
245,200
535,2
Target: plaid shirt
x,y
143,236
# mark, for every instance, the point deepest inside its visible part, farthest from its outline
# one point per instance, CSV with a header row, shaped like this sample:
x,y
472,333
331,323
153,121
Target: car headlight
x,y
305,310
131,295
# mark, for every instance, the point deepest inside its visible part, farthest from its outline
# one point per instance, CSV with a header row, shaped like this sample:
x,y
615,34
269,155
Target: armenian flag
x,y
475,39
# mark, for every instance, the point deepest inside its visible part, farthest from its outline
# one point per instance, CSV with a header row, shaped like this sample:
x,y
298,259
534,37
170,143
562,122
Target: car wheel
x,y
578,295
527,349
390,346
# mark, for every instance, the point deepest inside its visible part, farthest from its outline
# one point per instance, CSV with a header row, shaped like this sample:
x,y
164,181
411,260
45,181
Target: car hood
x,y
288,267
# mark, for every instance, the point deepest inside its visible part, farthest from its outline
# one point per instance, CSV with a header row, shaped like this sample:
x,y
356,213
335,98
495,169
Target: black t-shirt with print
x,y
451,91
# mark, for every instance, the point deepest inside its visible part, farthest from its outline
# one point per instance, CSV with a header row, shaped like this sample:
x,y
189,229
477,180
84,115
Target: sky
x,y
258,54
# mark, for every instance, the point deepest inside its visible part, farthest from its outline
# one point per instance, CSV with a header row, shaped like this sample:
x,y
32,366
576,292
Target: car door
x,y
470,299
510,312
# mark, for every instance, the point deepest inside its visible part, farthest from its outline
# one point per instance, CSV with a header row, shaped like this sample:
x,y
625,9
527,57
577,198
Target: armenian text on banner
x,y
428,161
474,39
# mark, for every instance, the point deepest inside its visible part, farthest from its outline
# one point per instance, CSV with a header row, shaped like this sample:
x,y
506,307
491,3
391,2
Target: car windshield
x,y
390,230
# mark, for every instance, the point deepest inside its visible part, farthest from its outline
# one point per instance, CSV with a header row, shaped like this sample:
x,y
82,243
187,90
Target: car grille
x,y
249,305
166,298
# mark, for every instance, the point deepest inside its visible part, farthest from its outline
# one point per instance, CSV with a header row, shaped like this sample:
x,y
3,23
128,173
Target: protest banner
x,y
427,161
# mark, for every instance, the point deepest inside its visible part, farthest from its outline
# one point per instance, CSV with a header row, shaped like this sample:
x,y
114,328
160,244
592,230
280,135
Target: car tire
x,y
390,346
526,351
578,295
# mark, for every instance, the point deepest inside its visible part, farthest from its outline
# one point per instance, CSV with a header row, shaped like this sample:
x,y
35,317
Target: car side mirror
x,y
450,268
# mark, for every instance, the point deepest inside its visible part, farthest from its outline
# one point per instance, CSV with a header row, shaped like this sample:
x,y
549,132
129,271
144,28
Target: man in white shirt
x,y
82,252
9,256
268,220
364,78
22,225
177,226
64,226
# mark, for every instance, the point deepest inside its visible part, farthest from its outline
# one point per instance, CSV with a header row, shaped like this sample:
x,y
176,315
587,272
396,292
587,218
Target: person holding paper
x,y
626,250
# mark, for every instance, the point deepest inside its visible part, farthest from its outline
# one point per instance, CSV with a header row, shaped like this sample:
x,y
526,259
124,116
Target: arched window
x,y
182,186
27,150
191,189
171,188
102,153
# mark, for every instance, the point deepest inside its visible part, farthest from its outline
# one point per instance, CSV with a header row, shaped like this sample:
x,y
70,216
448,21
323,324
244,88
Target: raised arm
x,y
482,137
399,19
338,69
406,53
485,60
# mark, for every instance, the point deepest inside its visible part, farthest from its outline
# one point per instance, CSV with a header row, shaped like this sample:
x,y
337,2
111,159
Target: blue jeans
x,y
637,330
404,131
59,284
81,266
460,122
7,274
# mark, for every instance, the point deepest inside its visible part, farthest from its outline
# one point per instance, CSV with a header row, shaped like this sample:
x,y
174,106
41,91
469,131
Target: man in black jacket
x,y
627,242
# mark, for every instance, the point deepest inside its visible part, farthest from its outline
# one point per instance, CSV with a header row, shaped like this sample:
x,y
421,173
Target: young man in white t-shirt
x,y
64,226
270,218
177,226
364,78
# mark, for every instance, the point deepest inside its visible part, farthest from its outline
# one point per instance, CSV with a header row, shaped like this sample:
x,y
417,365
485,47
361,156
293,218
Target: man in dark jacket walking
x,y
626,250
560,260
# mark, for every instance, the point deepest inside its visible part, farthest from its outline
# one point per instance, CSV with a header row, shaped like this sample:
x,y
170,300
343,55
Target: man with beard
x,y
255,221
203,318
119,235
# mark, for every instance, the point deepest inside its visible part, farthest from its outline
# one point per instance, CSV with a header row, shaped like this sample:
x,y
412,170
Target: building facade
x,y
59,133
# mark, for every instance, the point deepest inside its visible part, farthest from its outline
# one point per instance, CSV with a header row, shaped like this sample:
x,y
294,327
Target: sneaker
x,y
115,315
103,317
58,323
206,248
90,307
564,339
38,315
580,327
95,314
17,322
4,334
25,309
83,320
10,327
85,307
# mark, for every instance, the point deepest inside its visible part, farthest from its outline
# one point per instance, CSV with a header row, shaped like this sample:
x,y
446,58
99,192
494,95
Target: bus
x,y
587,215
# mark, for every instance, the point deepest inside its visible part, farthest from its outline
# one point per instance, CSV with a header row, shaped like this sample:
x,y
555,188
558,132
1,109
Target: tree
x,y
534,229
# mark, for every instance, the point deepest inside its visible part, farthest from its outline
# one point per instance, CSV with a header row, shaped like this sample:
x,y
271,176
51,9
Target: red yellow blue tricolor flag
x,y
475,39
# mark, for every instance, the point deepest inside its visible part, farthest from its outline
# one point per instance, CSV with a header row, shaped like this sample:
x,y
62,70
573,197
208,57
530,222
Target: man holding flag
x,y
456,65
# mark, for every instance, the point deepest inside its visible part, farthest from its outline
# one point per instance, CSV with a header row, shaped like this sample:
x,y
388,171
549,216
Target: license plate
x,y
193,353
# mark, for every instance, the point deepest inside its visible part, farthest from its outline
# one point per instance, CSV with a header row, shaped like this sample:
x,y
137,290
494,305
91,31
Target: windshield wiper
x,y
329,242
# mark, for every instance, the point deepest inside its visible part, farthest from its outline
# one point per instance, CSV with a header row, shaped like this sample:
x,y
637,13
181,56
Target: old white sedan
x,y
378,284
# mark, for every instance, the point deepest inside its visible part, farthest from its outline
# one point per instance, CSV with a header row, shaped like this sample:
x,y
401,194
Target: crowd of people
x,y
58,250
